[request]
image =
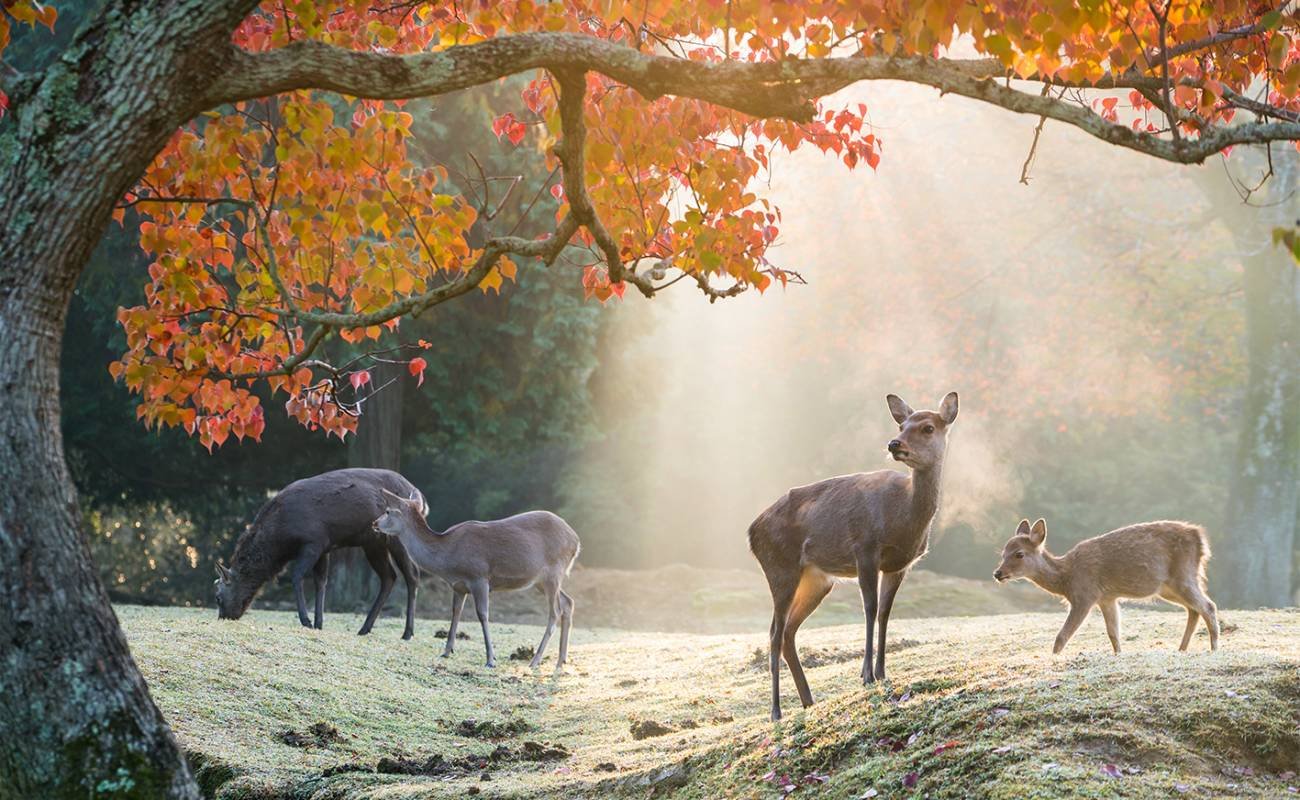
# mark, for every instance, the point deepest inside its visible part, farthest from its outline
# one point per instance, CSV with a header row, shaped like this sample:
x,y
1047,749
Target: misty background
x,y
1100,324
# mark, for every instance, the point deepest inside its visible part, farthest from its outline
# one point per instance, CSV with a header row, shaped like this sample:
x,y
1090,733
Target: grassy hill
x,y
976,707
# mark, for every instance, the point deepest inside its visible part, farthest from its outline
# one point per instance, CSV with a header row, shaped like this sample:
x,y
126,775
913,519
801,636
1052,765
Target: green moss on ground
x,y
976,707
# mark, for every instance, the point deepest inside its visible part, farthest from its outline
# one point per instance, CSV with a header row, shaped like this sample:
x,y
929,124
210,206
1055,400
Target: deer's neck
x,y
1054,576
925,494
428,552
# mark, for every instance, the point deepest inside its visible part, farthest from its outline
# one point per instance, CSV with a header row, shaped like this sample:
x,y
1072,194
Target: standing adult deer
x,y
1165,559
866,525
301,525
535,548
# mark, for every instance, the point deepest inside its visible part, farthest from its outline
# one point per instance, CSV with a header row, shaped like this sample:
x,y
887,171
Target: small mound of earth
x,y
320,734
442,634
648,728
523,652
438,765
491,729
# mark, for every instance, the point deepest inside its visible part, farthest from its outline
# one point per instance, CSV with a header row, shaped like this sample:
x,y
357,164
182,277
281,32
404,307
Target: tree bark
x,y
76,718
376,443
1252,564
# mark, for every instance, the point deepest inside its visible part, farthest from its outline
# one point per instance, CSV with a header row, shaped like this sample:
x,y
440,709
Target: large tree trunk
x,y
1254,567
1252,563
75,716
377,443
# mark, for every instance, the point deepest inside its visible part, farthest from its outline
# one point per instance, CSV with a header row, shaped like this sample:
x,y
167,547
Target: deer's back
x,y
513,552
825,524
341,505
1135,561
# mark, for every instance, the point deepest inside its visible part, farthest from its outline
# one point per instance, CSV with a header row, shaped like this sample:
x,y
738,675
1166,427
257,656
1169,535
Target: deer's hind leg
x,y
1198,605
566,622
813,588
552,591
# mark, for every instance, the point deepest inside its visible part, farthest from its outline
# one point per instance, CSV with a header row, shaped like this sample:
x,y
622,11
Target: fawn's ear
x,y
1039,532
1023,528
900,410
948,408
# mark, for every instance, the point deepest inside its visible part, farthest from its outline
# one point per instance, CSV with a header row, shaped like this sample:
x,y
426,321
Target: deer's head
x,y
922,435
1022,556
230,605
403,514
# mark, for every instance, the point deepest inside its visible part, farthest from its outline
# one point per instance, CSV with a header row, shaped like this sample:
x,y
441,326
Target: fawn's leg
x,y
1192,618
1078,612
321,576
1110,612
813,587
889,583
480,591
457,604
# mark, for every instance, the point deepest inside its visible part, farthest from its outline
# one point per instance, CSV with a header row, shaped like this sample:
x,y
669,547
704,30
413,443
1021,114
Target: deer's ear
x,y
1039,532
900,410
1023,528
223,574
948,408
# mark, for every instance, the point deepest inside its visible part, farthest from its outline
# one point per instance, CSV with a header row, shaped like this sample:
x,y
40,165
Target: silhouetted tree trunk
x,y
75,715
377,443
1253,559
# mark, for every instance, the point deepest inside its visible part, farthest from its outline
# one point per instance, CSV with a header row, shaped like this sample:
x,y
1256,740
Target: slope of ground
x,y
975,707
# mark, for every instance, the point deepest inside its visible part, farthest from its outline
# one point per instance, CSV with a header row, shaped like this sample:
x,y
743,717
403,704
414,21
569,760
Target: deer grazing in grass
x,y
535,548
301,525
871,526
1161,559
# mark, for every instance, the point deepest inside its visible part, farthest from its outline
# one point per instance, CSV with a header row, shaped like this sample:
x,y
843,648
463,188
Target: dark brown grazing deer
x,y
1161,559
871,526
301,525
535,548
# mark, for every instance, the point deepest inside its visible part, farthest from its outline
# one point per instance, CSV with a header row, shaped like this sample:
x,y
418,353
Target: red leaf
x,y
910,779
557,191
948,745
359,378
416,367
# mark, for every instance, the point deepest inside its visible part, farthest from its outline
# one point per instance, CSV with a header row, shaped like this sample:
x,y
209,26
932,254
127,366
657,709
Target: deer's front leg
x,y
889,584
868,583
1078,612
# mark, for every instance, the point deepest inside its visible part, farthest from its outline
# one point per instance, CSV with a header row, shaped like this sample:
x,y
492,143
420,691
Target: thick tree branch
x,y
785,89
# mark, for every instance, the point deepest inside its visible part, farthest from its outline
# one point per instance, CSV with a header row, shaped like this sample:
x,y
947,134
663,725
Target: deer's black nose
x,y
997,576
893,445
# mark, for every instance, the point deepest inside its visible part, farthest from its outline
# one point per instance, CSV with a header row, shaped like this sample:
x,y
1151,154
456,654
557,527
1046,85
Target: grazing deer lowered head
x,y
1164,559
871,526
535,548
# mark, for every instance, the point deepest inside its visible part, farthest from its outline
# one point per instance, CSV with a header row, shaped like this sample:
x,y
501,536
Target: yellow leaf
x,y
491,281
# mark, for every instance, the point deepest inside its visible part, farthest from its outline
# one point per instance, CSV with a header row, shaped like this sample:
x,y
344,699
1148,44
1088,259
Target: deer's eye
x,y
1020,555
928,429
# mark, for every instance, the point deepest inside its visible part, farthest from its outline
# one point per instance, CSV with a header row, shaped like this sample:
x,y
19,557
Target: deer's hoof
x,y
491,664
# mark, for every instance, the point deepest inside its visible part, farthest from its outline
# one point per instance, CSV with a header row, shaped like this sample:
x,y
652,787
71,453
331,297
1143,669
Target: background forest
x,y
1122,333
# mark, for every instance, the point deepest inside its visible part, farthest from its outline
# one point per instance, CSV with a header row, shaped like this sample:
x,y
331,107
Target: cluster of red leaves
x,y
311,203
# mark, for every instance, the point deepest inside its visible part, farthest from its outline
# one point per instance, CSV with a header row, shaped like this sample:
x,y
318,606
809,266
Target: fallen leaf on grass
x,y
948,745
910,779
1111,771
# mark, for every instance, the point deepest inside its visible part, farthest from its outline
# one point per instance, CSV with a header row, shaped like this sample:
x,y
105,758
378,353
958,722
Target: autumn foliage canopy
x,y
276,224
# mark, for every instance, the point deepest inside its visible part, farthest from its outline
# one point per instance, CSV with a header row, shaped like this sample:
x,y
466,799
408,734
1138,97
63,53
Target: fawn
x,y
1164,559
